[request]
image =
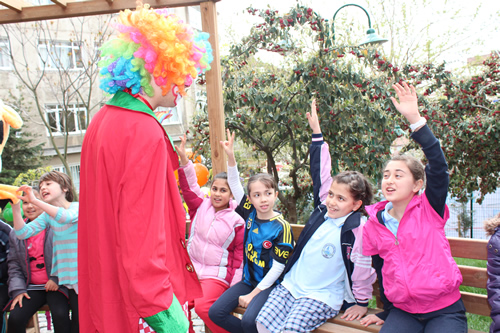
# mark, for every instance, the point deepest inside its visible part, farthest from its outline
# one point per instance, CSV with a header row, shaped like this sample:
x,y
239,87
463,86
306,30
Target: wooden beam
x,y
475,303
15,5
82,8
60,3
215,103
474,276
468,248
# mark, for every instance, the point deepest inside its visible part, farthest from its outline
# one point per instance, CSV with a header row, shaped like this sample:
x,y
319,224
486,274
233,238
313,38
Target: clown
x,y
134,270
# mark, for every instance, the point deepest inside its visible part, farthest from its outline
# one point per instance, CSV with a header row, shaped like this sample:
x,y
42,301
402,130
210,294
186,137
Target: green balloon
x,y
7,214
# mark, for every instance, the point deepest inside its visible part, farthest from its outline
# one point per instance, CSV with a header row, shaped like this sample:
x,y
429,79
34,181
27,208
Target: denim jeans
x,y
220,311
449,319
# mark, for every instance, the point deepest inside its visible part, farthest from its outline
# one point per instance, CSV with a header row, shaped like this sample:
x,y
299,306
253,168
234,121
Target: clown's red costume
x,y
133,264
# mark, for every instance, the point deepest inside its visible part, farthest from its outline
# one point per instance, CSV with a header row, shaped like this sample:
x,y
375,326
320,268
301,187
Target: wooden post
x,y
215,103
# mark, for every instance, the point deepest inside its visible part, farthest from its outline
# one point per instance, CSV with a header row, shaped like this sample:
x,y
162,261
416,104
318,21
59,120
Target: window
x,y
65,55
200,98
194,17
74,172
75,122
174,118
5,59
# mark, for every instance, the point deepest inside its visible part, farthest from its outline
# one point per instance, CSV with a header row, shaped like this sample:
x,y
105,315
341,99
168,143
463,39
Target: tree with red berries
x,y
266,104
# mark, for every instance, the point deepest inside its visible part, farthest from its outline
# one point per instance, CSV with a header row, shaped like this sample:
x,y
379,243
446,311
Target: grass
x,y
475,322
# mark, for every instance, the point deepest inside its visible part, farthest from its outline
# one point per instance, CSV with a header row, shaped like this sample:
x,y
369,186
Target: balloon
x,y
201,173
7,213
176,173
195,160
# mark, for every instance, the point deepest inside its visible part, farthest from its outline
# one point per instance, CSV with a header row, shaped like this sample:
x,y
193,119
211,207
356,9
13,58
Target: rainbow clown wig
x,y
153,44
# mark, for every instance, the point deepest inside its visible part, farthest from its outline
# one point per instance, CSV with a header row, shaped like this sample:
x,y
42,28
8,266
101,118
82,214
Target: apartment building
x,y
52,67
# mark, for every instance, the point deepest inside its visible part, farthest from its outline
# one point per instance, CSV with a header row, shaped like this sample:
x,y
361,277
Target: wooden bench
x,y
472,277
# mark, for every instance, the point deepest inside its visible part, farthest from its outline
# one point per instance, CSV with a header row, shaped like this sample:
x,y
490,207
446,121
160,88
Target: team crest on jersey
x,y
267,244
328,250
249,224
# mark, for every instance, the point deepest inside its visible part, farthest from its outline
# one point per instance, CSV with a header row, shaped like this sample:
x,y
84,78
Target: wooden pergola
x,y
20,11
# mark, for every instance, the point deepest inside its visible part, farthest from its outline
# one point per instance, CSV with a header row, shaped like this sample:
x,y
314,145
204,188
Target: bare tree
x,y
57,61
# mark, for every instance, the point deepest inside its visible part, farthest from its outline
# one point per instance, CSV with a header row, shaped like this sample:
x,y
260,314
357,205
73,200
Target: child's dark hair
x,y
220,175
416,167
62,179
359,187
265,178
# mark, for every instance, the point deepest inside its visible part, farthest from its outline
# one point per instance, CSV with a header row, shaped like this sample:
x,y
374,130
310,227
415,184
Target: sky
x,y
234,24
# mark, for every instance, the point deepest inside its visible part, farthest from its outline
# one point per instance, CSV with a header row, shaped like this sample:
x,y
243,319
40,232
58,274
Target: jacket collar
x,y
351,222
372,210
123,100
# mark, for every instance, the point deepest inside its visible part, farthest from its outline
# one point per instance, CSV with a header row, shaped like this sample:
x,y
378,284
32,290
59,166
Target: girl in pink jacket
x,y
419,280
216,239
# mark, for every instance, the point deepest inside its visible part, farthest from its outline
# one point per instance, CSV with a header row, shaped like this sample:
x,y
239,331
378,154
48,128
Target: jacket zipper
x,y
396,242
206,244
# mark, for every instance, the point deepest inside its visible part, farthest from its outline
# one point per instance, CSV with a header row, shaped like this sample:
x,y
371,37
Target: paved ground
x,y
199,327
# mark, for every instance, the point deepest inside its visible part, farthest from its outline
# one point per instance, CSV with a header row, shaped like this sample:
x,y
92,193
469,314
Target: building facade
x,y
49,71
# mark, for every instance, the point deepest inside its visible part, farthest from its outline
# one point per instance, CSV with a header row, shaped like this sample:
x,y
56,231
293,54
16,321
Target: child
x,y
30,266
268,242
215,243
327,269
493,286
419,276
61,215
5,230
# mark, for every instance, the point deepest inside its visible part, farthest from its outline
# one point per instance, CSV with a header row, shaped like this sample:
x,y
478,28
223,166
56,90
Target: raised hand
x,y
407,104
228,147
181,150
28,195
312,118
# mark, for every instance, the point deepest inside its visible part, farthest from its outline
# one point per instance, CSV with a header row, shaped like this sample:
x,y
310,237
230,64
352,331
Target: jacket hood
x,y
491,224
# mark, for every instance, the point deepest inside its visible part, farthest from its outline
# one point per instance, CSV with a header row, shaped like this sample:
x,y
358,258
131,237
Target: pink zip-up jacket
x,y
419,274
216,238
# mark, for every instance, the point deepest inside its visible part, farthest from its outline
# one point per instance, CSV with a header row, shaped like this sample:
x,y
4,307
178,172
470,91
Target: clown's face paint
x,y
177,96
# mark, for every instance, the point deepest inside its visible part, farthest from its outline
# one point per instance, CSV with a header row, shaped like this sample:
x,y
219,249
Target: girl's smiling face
x,y
32,211
340,201
398,183
220,194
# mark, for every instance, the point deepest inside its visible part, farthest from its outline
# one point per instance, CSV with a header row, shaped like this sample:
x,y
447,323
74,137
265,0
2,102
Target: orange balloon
x,y
201,173
195,160
176,173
